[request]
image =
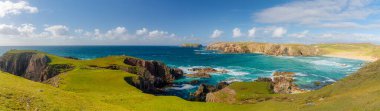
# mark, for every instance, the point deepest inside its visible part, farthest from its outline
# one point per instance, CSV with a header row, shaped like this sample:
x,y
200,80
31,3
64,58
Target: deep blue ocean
x,y
240,67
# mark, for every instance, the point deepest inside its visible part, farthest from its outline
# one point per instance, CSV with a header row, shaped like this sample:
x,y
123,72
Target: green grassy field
x,y
91,88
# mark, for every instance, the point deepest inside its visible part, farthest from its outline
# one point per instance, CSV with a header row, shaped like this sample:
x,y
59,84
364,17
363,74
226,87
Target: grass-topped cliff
x,y
362,51
91,86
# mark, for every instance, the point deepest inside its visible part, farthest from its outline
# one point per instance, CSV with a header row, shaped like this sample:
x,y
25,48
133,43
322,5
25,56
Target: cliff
x,y
265,48
152,75
31,65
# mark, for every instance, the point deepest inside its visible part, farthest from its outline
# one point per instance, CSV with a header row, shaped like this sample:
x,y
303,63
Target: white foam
x,y
182,87
328,79
229,81
301,74
329,63
232,72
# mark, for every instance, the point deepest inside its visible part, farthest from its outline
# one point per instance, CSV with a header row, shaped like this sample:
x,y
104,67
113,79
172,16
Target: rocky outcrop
x,y
220,96
204,89
282,83
152,75
199,75
265,48
31,65
207,70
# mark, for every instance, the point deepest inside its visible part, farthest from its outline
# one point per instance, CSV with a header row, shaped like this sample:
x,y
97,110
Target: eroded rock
x,y
31,65
153,75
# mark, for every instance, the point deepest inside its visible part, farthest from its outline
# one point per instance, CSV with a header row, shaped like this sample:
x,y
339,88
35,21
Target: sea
x,y
239,67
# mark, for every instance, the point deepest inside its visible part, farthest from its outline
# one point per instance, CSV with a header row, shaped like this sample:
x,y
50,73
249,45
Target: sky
x,y
173,22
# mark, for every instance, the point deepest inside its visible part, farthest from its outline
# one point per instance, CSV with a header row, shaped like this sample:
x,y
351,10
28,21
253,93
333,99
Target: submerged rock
x,y
207,70
153,75
199,75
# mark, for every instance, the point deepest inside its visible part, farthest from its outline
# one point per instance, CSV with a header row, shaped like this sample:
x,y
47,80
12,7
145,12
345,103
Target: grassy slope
x,y
358,49
87,88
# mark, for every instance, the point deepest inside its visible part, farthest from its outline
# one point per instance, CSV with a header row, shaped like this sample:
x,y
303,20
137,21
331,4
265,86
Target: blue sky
x,y
172,22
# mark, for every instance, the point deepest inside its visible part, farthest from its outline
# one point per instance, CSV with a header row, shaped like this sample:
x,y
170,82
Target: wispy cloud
x,y
337,13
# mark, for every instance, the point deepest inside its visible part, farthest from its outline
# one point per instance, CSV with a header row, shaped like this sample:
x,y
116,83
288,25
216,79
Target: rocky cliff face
x,y
31,65
153,75
265,48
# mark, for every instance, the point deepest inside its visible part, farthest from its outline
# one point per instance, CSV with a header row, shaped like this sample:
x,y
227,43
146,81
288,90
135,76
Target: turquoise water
x,y
240,67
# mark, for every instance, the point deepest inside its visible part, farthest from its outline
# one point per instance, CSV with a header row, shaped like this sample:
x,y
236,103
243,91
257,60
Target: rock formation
x,y
31,65
282,83
199,75
265,48
204,89
153,75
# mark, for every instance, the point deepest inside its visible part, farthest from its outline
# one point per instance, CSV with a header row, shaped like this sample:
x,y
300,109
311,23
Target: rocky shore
x,y
281,83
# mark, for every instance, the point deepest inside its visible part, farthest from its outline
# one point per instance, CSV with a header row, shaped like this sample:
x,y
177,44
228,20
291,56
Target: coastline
x,y
352,56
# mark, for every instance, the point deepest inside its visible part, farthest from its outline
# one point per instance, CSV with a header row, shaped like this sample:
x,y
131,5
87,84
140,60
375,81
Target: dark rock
x,y
200,94
193,82
263,79
153,75
204,89
221,85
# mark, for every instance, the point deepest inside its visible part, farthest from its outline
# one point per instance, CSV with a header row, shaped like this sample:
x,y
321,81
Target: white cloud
x,y
217,33
26,30
236,33
118,32
279,32
27,34
142,31
157,33
57,30
314,12
300,35
252,32
15,8
78,31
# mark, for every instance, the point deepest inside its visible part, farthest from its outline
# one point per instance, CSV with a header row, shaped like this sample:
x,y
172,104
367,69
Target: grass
x,y
88,88
358,49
